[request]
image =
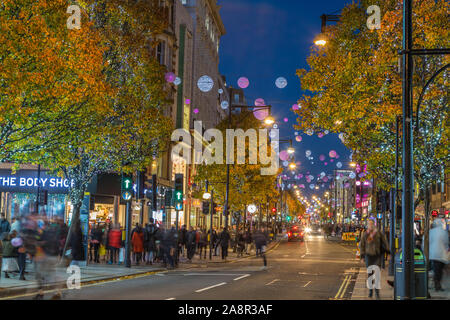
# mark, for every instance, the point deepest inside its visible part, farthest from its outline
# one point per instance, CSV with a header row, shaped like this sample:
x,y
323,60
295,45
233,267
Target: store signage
x,y
27,181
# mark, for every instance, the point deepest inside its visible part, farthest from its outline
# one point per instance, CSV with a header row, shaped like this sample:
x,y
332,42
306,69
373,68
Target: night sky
x,y
270,39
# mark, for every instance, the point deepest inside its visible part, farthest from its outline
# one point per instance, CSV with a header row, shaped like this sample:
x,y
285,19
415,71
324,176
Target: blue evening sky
x,y
267,39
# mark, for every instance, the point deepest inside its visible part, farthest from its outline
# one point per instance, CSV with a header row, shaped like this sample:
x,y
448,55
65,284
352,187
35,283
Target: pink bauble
x,y
243,82
286,120
298,138
170,77
295,107
260,102
332,154
322,158
284,155
261,114
196,111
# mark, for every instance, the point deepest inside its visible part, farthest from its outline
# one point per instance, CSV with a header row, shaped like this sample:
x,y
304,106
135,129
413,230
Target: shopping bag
x,y
122,255
102,250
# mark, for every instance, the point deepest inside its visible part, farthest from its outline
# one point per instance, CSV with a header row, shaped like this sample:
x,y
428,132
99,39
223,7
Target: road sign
x,y
380,216
179,207
127,187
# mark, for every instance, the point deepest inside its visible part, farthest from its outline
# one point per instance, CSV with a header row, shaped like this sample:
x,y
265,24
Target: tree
x,y
247,185
356,88
48,76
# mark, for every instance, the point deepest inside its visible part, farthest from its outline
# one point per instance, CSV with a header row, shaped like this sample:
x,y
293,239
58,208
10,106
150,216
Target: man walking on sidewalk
x,y
438,251
373,246
224,242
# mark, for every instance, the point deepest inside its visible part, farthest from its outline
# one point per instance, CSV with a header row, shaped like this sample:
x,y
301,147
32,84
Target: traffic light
x,y
214,209
168,198
141,184
127,187
154,193
179,191
274,210
434,213
205,207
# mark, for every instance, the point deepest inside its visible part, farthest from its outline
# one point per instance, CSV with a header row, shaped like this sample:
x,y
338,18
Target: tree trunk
x,y
75,218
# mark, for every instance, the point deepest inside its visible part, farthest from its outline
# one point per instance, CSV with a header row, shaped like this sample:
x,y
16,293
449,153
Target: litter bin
x,y
420,276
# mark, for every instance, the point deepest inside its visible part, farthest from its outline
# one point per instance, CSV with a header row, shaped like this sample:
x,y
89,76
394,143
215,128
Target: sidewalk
x,y
97,273
93,273
361,292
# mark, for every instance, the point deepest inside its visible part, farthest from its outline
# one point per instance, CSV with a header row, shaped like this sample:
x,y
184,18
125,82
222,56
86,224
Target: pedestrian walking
x,y
190,243
5,227
203,243
9,254
241,245
138,244
248,241
261,244
373,247
151,245
114,243
438,253
224,242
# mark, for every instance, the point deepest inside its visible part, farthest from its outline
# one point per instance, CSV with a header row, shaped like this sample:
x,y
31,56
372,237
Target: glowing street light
x,y
292,166
269,121
291,150
206,196
320,42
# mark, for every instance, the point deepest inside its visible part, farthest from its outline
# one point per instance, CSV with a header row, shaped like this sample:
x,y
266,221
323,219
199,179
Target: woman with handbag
x,y
373,247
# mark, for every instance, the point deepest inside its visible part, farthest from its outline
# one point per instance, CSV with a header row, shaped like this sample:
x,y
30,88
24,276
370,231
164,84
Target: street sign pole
x,y
128,235
408,161
211,225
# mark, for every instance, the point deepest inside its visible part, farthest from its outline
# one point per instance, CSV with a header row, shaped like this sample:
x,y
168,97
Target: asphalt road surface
x,y
316,269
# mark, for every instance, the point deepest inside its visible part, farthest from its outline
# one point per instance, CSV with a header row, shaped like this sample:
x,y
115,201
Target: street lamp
x,y
292,166
269,121
320,42
206,196
291,150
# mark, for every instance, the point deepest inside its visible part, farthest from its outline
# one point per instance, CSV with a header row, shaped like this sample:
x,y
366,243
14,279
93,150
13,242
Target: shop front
x,y
18,193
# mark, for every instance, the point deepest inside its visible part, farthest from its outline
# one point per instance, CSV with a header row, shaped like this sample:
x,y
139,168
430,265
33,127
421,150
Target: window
x,y
161,53
236,97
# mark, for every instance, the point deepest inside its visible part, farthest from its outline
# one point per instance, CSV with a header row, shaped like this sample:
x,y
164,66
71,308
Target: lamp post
x,y
269,121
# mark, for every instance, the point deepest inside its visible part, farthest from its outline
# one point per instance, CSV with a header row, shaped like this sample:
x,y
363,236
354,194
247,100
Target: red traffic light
x,y
434,213
274,210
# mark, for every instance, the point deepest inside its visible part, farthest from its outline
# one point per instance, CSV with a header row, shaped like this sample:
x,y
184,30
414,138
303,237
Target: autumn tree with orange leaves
x,y
355,88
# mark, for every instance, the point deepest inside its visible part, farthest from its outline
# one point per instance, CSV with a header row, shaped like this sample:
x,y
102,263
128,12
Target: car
x,y
296,233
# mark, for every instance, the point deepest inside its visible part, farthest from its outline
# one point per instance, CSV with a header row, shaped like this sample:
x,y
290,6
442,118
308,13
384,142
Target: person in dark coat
x,y
260,244
151,243
224,240
5,227
190,243
202,243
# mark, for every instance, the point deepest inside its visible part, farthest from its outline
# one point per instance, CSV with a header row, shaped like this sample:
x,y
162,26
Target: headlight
x,y
308,230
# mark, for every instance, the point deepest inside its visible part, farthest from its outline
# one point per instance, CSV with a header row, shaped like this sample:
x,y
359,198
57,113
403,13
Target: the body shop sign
x,y
25,181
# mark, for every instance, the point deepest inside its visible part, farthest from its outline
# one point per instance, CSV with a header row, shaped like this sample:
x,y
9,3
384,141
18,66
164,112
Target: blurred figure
x,y
260,244
168,244
5,227
190,243
248,241
224,239
115,243
373,246
241,245
151,245
182,240
137,240
438,251
202,243
10,254
47,257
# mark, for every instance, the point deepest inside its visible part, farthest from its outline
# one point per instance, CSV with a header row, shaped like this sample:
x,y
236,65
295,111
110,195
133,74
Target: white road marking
x,y
214,274
214,286
268,284
171,299
309,274
307,284
303,255
244,276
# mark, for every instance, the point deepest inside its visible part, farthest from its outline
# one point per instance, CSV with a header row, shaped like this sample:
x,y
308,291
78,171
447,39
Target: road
x,y
312,270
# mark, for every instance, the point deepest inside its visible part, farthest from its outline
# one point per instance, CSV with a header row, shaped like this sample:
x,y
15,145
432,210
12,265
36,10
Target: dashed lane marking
x,y
211,287
244,276
307,284
272,282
